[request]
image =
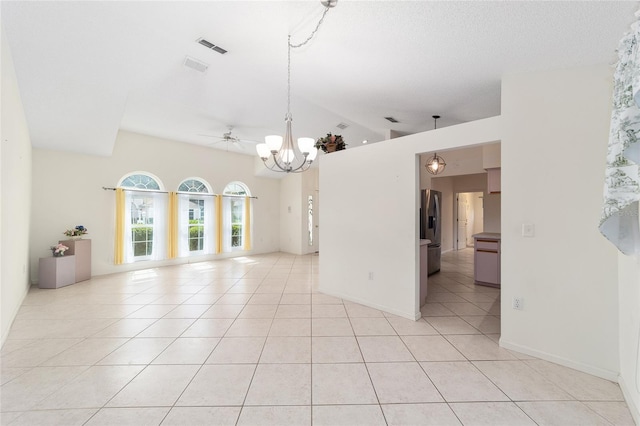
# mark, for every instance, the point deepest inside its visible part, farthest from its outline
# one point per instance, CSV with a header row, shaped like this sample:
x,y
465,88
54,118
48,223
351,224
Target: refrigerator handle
x,y
436,202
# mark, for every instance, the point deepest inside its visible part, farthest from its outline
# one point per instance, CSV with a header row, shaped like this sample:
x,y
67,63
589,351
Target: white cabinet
x,y
493,180
82,250
56,272
487,259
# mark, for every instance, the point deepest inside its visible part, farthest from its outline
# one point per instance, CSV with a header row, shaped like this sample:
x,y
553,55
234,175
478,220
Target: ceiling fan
x,y
229,139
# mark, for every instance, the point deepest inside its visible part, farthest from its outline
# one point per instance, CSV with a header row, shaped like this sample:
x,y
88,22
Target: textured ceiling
x,y
87,69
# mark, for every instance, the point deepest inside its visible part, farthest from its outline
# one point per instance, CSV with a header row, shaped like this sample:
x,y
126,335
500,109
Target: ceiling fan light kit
x,y
281,154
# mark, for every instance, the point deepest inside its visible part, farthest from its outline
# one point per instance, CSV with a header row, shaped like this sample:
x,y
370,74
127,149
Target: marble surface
x,y
492,235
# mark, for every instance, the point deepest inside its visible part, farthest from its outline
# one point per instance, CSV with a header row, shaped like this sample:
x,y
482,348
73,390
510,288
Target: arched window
x,y
140,181
194,185
236,224
195,218
145,217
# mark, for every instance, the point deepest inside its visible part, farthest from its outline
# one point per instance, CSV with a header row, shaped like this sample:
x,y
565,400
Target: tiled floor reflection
x,y
249,341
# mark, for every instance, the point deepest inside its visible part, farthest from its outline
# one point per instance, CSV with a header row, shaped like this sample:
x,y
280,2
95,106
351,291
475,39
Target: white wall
x,y
491,157
369,216
295,189
629,299
554,146
15,198
67,191
291,213
567,274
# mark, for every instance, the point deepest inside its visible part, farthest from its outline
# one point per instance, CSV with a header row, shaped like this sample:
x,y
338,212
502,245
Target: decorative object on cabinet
x,y
56,272
78,231
81,249
58,250
284,155
435,165
493,180
331,143
487,259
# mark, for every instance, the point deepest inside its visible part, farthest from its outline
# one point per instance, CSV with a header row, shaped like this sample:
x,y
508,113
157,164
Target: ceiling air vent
x,y
195,64
342,126
211,46
391,119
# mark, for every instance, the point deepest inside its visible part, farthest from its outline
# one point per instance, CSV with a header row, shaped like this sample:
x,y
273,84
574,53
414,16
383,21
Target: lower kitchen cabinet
x,y
487,259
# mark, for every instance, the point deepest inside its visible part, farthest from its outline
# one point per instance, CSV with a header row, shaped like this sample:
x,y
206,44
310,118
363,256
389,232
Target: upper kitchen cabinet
x,y
491,162
493,180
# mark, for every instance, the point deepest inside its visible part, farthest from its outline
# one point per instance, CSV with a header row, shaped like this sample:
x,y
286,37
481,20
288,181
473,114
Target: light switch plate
x,y
528,230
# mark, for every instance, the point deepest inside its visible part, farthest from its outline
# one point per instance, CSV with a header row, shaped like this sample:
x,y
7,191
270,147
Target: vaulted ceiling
x,y
87,69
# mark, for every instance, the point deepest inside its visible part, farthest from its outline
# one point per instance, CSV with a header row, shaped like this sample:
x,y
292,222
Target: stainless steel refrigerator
x,y
430,224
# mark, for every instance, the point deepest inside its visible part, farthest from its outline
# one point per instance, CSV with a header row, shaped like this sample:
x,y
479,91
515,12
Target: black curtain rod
x,y
178,192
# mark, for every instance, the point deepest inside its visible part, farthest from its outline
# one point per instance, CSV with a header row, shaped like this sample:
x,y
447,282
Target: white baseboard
x,y
412,317
630,400
5,332
585,368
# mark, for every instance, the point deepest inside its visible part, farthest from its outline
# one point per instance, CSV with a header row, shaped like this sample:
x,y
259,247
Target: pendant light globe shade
x,y
263,150
435,165
306,144
274,142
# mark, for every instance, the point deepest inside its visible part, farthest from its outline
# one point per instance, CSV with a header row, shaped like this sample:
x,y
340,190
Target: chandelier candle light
x,y
435,164
284,155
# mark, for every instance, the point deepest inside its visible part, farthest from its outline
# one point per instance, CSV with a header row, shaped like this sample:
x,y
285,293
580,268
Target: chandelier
x,y
435,164
281,154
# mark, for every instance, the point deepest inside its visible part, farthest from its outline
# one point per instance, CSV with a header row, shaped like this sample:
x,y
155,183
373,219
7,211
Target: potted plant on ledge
x,y
331,143
76,233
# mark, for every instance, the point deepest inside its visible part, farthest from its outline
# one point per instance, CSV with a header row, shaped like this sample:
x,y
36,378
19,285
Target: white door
x,y
315,247
463,208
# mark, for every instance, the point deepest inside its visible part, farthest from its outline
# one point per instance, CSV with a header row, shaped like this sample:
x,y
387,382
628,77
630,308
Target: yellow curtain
x,y
247,223
173,226
218,223
118,256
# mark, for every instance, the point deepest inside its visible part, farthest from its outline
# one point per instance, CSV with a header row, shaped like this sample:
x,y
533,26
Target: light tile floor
x,y
249,341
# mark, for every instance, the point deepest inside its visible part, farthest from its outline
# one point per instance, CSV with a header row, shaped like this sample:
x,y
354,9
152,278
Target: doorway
x,y
313,222
468,218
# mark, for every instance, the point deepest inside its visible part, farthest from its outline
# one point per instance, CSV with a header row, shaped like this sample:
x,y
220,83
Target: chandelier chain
x,y
295,46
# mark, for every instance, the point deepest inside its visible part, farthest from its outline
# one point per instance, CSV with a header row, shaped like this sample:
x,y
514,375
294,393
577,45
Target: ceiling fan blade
x,y
210,136
238,145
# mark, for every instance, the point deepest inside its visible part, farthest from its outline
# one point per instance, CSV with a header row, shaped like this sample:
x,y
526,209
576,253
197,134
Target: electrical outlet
x,y
528,230
370,276
518,303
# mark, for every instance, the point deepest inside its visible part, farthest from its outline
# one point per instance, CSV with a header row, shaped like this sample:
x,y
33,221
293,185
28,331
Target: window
x,y
140,181
194,185
234,216
195,218
196,224
144,217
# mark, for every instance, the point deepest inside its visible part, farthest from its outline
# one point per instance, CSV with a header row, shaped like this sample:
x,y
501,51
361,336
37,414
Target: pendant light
x,y
281,154
435,165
